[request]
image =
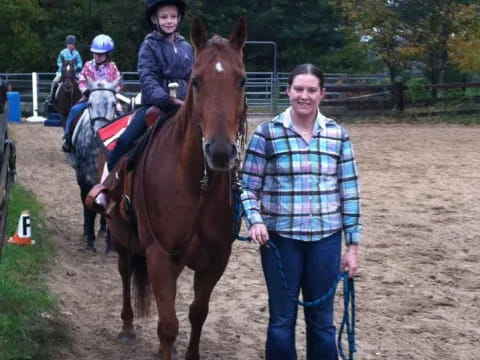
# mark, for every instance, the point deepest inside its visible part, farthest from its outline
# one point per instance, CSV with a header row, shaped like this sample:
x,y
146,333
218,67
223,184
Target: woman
x,y
101,67
164,57
301,192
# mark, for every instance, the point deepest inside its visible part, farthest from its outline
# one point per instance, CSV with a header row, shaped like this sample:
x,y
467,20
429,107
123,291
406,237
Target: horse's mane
x,y
217,41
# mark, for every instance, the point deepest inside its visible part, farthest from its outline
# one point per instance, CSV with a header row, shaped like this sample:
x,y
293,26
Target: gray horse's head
x,y
100,111
101,103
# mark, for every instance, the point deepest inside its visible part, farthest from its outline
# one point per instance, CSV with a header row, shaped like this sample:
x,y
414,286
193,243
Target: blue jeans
x,y
311,267
74,111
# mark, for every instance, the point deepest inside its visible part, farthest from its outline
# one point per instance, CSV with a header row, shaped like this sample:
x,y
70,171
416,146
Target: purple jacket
x,y
160,62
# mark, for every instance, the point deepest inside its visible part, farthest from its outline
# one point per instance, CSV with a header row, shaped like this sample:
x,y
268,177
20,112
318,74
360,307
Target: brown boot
x,y
97,200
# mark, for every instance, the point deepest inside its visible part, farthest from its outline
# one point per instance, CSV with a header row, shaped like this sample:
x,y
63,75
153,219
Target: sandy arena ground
x,y
418,289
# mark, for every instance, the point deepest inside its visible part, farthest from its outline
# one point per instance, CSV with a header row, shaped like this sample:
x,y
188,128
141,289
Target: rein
x,y
348,319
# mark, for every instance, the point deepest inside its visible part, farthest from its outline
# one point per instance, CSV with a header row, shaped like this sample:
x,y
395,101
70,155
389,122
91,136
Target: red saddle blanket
x,y
108,135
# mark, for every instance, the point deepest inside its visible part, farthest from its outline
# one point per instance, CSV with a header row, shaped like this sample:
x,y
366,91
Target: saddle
x,y
108,135
118,185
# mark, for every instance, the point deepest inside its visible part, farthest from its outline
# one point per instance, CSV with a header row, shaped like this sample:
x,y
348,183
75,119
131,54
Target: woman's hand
x,y
349,261
258,233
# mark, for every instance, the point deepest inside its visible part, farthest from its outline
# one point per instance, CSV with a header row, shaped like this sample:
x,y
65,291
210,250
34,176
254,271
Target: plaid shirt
x,y
302,191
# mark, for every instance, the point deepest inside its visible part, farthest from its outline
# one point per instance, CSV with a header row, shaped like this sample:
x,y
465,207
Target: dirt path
x,y
418,292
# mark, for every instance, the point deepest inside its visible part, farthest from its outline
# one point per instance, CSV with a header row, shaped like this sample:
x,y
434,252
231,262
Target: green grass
x,y
28,328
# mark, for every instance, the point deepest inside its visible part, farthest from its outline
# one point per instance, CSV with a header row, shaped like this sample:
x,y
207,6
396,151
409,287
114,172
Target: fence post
x,y
35,117
398,98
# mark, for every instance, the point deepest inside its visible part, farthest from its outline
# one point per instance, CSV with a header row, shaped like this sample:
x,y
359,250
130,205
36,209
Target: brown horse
x,y
69,93
182,193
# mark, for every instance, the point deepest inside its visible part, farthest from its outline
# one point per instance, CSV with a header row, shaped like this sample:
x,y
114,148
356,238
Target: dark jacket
x,y
160,62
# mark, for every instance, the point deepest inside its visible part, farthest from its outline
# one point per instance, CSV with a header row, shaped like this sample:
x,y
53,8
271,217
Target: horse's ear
x,y
198,34
90,84
239,34
113,85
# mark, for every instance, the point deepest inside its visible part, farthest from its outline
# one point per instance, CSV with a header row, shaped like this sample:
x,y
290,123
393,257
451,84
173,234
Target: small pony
x,y
68,94
100,111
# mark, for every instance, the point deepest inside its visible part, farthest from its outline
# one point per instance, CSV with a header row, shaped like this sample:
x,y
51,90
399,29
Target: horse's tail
x,y
141,286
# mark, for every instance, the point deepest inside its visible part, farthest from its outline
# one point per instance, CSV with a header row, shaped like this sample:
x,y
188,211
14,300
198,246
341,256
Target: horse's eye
x,y
195,83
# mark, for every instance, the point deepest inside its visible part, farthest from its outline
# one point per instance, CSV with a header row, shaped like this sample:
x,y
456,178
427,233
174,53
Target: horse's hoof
x,y
109,250
173,352
190,356
127,337
91,248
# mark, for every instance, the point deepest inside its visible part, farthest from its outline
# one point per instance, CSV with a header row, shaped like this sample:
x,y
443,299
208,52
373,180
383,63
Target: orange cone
x,y
23,235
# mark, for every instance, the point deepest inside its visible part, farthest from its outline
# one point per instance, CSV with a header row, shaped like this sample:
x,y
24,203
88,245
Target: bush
x,y
418,89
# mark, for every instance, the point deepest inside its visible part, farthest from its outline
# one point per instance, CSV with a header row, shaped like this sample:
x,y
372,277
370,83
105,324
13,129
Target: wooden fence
x,y
7,171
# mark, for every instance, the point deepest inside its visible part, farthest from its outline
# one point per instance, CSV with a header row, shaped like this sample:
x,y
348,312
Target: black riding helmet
x,y
152,5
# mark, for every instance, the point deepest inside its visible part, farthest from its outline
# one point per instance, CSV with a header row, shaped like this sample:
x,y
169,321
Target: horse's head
x,y
68,74
101,103
217,92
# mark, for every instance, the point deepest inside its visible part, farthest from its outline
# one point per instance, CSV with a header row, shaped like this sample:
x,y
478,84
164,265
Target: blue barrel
x,y
13,98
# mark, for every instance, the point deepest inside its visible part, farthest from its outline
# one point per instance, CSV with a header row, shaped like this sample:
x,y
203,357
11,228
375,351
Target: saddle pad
x,y
108,135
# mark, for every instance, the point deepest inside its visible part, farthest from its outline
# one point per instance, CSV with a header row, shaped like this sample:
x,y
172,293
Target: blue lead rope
x,y
348,321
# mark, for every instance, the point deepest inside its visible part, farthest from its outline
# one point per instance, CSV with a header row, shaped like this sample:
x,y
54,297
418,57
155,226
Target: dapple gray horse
x,y
84,159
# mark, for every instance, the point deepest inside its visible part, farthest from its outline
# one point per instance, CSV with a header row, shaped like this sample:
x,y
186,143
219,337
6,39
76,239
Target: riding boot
x,y
97,198
51,96
67,146
101,199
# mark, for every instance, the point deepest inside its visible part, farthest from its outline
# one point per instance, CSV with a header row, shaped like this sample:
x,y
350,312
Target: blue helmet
x,y
70,39
102,44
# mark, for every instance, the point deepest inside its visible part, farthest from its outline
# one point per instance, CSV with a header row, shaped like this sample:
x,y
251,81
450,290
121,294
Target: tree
x,y
21,44
465,41
378,23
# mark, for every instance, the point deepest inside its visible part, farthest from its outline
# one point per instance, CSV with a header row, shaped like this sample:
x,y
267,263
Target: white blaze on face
x,y
219,67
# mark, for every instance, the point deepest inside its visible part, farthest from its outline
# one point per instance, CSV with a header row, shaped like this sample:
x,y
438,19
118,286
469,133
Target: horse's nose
x,y
220,153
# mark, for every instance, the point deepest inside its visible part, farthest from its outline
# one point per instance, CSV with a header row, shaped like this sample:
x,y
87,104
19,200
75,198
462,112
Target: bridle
x,y
98,118
241,140
68,83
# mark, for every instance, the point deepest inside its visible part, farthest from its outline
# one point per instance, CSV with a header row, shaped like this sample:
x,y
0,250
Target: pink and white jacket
x,y
107,72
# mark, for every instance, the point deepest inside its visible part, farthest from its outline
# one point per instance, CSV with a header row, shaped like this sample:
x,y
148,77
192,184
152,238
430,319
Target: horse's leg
x,y
88,218
204,282
103,231
90,228
108,240
125,270
103,225
163,279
